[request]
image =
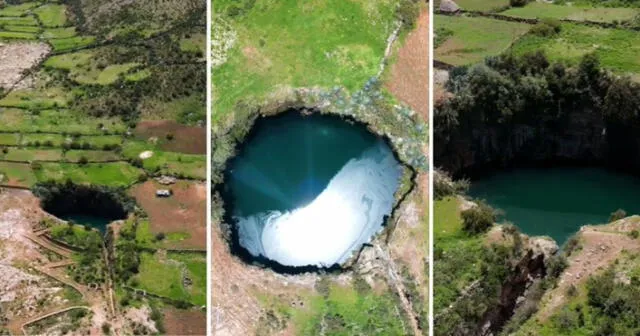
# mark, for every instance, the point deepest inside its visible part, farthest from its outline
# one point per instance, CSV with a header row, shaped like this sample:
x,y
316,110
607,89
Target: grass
x,y
58,33
146,238
474,38
482,5
20,154
164,277
545,10
186,165
71,61
137,75
71,43
617,49
51,15
91,155
17,10
30,139
17,174
106,76
19,21
59,120
288,44
51,98
344,311
10,139
118,174
194,43
11,35
22,29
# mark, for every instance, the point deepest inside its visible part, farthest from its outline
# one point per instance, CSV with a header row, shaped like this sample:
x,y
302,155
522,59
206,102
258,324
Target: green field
x,y
56,33
51,15
36,100
185,165
67,121
482,5
541,10
19,21
164,277
474,38
117,174
17,35
17,174
286,44
19,154
72,43
617,49
18,10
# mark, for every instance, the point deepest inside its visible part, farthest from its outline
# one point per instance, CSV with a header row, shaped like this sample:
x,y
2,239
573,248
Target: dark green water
x,y
99,223
557,202
309,190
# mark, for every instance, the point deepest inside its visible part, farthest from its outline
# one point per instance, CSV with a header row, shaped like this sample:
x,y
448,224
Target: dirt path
x,y
601,245
396,281
45,243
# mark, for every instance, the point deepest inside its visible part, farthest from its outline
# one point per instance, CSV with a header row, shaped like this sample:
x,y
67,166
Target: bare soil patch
x,y
186,139
17,57
409,80
185,322
184,211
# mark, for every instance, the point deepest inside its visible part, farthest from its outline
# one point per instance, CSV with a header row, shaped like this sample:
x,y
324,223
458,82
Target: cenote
x,y
93,206
556,202
307,191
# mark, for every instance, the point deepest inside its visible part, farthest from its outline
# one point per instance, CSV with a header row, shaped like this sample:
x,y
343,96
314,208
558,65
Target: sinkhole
x,y
307,191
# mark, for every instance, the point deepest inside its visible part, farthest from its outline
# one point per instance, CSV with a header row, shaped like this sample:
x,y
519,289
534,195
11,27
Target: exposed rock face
x,y
531,268
583,137
448,6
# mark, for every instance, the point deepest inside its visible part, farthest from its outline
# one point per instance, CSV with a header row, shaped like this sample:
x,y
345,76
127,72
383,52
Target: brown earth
x,y
601,246
17,57
184,211
409,80
186,139
185,322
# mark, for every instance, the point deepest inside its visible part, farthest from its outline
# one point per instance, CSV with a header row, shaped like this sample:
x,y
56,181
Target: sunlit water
x,y
311,190
557,202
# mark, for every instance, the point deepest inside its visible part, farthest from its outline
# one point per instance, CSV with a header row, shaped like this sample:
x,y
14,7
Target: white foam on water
x,y
337,222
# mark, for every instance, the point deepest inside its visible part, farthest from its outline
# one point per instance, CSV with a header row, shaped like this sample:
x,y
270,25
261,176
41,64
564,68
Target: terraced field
x,y
610,32
111,95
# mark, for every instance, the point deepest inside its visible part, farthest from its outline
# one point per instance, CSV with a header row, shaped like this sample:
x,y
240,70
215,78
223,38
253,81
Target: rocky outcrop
x,y
513,293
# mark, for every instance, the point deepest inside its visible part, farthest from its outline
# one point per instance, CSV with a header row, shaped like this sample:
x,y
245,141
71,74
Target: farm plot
x,y
21,154
483,5
173,136
164,275
541,10
117,174
474,38
617,49
36,100
60,121
181,217
184,322
51,15
17,174
169,163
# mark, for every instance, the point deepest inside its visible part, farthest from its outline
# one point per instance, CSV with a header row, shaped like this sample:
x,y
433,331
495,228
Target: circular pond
x,y
309,190
556,202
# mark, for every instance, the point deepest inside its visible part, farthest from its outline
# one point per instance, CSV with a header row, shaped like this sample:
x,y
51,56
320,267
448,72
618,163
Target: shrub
x,y
518,3
546,28
634,234
478,219
160,236
83,160
617,215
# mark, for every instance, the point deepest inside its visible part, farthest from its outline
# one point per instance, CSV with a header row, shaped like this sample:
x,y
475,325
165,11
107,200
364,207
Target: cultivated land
x,y
609,32
365,59
109,95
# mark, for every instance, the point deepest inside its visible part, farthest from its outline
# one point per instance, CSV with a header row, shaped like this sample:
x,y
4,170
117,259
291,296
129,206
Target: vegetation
x,y
474,38
507,91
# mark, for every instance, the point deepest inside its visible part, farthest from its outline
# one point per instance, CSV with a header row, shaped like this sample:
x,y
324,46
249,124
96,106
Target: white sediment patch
x,y
337,222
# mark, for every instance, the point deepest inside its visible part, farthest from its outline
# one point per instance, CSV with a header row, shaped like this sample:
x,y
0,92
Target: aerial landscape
x,y
319,167
536,157
103,167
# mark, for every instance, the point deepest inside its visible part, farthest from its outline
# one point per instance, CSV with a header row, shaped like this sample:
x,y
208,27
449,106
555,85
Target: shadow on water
x,y
230,225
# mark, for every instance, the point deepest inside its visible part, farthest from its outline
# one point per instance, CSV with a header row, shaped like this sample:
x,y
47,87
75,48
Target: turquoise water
x,y
309,190
557,202
99,223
